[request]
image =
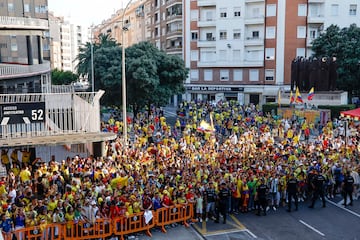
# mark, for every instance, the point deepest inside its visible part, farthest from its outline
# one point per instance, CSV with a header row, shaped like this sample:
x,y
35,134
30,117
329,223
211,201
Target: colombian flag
x,y
298,98
311,94
292,99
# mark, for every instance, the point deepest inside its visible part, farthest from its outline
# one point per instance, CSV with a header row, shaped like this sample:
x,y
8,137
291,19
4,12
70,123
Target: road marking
x,y
221,232
344,208
312,228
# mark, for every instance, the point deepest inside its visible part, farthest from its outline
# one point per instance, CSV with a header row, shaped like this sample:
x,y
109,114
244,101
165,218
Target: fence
x,y
105,228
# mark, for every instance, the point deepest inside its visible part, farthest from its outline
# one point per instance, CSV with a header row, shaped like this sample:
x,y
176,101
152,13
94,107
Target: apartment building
x,y
164,21
134,25
242,50
24,46
65,40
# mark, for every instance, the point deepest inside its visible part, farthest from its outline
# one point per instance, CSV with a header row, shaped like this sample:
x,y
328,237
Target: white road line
x,y
312,228
226,232
342,207
249,232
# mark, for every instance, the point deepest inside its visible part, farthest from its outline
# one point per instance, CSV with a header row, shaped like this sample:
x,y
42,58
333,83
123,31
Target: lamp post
x,y
123,74
92,58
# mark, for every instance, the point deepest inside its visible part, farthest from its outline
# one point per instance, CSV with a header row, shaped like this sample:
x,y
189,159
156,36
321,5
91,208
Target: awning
x,y
354,114
64,139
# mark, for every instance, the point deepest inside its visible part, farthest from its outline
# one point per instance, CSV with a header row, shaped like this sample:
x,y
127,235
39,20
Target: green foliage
x,y
335,110
152,76
60,77
344,44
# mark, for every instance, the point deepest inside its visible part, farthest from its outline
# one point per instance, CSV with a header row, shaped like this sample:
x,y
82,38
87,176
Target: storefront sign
x,y
215,89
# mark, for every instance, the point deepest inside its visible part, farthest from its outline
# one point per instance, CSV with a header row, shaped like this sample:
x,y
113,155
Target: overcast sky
x,y
86,12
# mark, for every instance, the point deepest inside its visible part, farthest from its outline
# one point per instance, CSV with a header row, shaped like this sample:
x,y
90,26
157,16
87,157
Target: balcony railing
x,y
209,22
204,3
13,70
23,23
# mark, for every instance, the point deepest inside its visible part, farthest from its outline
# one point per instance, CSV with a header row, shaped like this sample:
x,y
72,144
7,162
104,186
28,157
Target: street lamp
x,y
123,29
92,58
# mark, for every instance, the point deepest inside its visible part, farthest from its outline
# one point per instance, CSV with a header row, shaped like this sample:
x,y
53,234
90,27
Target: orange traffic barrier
x,y
170,215
132,224
101,228
44,231
104,228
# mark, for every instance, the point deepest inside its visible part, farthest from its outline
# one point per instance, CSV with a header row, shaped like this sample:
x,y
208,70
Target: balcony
x,y
173,18
174,34
173,49
254,1
254,41
254,20
207,43
319,19
309,41
316,1
23,23
13,70
245,63
206,23
206,3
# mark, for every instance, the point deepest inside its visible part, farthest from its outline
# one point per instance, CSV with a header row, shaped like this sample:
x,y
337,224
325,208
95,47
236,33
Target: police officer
x,y
292,190
261,192
317,184
348,187
223,198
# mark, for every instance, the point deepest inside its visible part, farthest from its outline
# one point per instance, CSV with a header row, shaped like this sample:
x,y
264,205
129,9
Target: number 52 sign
x,y
17,113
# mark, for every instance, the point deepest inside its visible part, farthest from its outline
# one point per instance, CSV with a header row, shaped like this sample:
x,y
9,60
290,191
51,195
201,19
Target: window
x,y
302,10
313,34
194,74
255,34
269,74
237,34
11,7
26,8
223,35
224,75
269,53
270,32
334,9
254,75
156,17
209,16
208,56
300,52
194,55
271,10
222,55
256,12
223,13
194,15
156,32
209,37
236,55
301,32
208,75
237,12
238,75
14,46
194,36
352,11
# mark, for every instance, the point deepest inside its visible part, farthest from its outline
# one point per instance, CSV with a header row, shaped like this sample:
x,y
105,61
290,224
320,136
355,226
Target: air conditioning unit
x,y
270,57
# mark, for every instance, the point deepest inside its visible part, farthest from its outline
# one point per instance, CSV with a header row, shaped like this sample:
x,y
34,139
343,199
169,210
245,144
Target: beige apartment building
x,y
24,46
65,40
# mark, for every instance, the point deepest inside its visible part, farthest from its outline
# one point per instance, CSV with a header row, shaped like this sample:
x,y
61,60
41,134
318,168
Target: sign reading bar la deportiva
x,y
215,89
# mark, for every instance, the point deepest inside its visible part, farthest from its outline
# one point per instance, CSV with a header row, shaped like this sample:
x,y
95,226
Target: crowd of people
x,y
224,158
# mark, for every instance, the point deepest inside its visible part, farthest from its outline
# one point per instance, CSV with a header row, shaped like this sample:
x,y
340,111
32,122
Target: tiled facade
x,y
24,46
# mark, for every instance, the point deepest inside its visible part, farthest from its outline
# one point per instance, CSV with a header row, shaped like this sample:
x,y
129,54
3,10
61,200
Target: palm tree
x,y
84,57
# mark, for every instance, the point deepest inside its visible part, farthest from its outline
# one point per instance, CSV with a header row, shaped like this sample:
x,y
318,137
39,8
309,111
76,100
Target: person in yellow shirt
x,y
5,159
25,174
25,158
14,157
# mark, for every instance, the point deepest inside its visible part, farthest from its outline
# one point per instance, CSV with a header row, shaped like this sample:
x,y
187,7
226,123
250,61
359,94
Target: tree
x,y
60,77
152,76
344,44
